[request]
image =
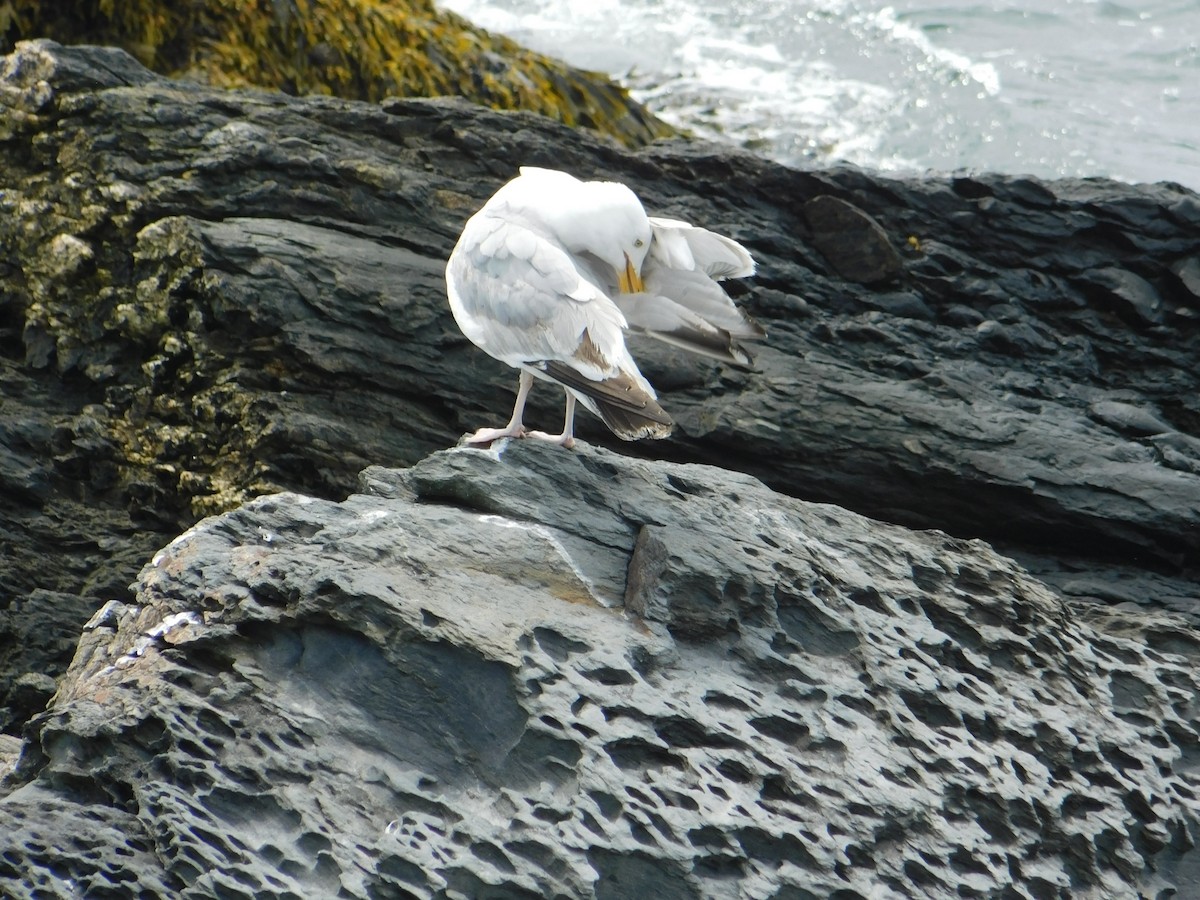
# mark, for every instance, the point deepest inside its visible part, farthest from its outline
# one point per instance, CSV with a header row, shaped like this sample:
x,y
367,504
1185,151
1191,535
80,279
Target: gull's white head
x,y
603,219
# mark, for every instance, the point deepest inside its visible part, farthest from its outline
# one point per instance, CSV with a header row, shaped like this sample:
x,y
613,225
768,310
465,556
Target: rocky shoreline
x,y
210,296
354,49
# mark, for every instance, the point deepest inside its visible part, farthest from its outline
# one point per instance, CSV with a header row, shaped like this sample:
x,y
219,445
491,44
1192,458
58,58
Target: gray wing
x,y
660,317
519,297
683,304
680,245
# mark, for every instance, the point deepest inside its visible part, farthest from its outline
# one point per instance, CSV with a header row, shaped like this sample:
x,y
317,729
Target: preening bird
x,y
552,271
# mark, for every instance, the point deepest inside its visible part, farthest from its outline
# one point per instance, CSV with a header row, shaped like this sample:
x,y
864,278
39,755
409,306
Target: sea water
x,y
1044,87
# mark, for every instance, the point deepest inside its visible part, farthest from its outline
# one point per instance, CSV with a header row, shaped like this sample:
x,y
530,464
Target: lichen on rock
x,y
356,49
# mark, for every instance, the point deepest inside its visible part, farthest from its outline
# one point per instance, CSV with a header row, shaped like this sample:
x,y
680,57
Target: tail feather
x,y
628,409
631,426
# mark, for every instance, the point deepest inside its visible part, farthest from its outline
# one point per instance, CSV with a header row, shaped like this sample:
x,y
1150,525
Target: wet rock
x,y
1134,298
526,672
852,242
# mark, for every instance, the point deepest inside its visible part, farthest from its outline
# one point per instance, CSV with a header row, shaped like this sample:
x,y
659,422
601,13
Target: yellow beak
x,y
629,279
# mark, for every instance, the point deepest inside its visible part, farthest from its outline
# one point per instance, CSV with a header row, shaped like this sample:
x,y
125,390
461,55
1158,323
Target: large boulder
x,y
355,49
534,673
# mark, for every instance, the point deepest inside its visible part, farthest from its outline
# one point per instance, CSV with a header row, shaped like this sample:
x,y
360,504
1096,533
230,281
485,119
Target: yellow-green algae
x,y
356,49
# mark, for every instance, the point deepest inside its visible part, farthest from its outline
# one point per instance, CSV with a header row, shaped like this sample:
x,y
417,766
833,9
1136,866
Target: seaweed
x,y
355,49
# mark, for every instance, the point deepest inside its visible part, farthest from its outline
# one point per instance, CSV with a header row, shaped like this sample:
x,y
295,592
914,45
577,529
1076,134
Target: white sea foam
x,y
1053,87
983,73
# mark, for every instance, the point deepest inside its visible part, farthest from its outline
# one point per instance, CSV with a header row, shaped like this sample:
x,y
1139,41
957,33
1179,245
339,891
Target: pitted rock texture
x,y
537,673
210,295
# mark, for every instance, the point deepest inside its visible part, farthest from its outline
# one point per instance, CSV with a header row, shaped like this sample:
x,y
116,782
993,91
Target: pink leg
x,y
514,428
567,438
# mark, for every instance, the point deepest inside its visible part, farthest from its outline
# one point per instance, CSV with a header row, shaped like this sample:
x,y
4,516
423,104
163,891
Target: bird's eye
x,y
639,242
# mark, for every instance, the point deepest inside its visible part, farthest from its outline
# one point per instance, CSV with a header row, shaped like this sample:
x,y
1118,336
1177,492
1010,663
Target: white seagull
x,y
552,271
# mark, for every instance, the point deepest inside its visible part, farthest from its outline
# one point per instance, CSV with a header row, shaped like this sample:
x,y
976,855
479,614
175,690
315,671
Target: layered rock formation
x,y
534,673
206,296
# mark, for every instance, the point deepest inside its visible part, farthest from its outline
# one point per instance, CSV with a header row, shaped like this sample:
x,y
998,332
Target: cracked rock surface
x,y
534,673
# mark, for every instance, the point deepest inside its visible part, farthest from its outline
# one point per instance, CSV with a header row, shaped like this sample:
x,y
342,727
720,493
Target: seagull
x,y
552,271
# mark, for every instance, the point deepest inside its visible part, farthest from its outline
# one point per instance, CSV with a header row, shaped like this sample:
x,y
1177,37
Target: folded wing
x,y
521,299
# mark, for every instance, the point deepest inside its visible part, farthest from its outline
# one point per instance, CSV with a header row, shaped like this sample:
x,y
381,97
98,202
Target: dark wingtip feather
x,y
632,426
719,346
625,407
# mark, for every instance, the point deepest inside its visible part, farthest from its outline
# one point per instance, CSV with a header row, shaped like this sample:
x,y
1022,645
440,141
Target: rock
x,y
855,245
1188,273
10,752
1134,298
530,673
360,51
29,694
1128,419
209,295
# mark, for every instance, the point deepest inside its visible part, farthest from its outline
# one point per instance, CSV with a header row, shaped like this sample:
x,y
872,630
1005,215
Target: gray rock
x,y
1133,297
853,243
534,673
1128,419
1188,273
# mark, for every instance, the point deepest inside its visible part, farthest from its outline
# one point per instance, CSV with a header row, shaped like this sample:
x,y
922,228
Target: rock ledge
x,y
533,673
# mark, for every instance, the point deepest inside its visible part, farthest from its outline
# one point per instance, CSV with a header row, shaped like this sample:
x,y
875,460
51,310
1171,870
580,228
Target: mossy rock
x,y
356,49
